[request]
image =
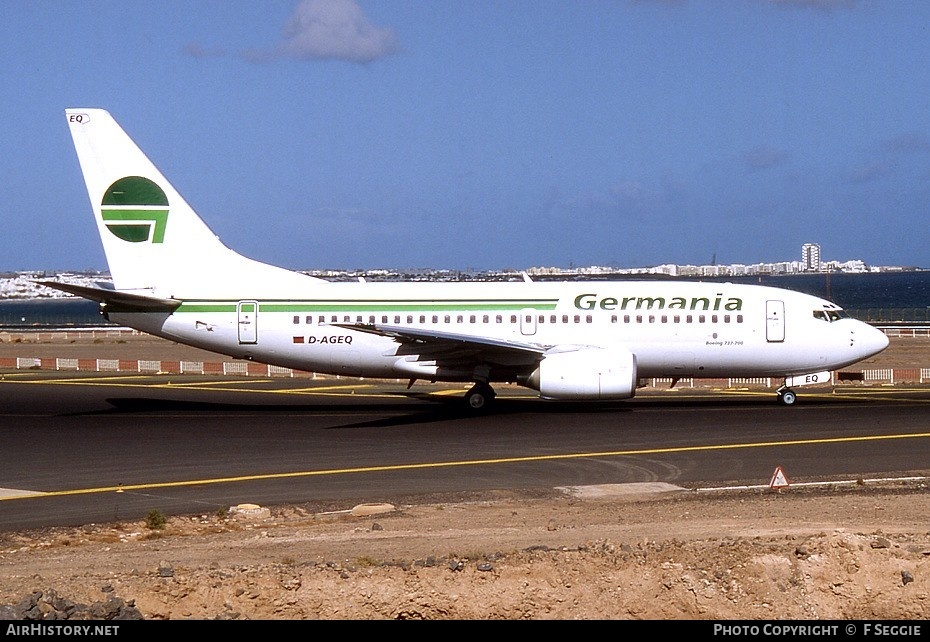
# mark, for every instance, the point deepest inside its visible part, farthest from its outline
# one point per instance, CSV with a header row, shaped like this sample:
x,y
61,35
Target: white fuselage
x,y
674,328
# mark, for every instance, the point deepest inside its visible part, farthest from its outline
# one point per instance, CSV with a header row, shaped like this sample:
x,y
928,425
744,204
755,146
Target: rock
x,y
49,605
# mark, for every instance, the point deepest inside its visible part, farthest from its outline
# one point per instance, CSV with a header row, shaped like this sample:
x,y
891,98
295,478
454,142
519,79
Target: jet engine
x,y
586,373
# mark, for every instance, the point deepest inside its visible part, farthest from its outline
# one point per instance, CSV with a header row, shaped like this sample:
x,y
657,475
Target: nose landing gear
x,y
786,396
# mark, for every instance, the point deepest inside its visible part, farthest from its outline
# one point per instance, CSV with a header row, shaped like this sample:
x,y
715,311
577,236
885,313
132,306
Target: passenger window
x,y
296,320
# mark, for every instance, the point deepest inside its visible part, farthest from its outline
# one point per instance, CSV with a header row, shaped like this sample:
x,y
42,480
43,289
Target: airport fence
x,y
238,368
891,315
891,376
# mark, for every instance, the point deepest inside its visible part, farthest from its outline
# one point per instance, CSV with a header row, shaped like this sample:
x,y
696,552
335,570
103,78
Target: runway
x,y
78,448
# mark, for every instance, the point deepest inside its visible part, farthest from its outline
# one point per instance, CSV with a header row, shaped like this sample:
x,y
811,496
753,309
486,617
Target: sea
x,y
877,297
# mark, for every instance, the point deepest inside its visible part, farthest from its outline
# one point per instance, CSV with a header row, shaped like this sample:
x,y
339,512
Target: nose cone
x,y
868,340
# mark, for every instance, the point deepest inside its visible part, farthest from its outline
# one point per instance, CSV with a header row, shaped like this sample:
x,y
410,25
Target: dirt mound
x,y
855,552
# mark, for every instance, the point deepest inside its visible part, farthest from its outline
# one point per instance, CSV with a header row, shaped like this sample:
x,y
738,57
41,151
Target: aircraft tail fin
x,y
155,243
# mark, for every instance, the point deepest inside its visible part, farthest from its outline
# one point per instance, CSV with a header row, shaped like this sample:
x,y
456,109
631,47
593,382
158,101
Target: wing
x,y
446,346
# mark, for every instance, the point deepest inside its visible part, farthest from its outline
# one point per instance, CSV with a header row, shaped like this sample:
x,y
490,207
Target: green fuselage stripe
x,y
207,307
377,306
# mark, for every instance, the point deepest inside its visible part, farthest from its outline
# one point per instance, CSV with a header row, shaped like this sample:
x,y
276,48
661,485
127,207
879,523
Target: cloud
x,y
909,143
335,30
764,157
890,157
197,50
822,5
869,172
671,3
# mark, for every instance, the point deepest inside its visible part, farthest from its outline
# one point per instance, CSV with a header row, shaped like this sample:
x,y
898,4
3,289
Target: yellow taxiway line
x,y
451,464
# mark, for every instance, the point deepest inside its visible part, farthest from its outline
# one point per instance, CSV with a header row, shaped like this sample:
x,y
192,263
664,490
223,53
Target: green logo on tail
x,y
136,210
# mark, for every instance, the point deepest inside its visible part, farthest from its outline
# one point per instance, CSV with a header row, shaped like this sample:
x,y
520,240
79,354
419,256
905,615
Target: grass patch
x,y
155,520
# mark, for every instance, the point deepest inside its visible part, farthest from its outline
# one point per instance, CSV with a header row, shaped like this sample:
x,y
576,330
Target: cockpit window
x,y
831,315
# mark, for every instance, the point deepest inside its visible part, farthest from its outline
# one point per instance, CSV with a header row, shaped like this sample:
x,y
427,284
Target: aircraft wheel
x,y
479,398
787,397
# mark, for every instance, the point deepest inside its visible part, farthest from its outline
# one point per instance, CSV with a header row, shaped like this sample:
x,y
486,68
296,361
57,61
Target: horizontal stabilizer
x,y
125,301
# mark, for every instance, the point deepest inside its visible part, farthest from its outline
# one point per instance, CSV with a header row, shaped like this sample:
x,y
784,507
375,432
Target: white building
x,y
810,257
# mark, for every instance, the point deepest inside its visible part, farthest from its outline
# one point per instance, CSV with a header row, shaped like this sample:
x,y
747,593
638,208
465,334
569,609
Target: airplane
x,y
596,340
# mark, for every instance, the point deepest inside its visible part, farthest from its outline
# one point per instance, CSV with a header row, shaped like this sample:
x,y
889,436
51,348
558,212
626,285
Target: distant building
x,y
810,257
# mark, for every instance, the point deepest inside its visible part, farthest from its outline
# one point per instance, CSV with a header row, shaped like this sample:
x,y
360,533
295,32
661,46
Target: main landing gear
x,y
479,397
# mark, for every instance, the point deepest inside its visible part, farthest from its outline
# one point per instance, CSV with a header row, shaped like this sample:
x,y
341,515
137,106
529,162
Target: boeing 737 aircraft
x,y
173,278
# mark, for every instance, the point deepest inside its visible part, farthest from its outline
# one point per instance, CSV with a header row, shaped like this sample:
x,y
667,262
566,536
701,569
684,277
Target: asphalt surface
x,y
77,448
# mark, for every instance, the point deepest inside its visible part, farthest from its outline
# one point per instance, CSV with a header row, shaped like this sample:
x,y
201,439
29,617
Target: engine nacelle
x,y
586,373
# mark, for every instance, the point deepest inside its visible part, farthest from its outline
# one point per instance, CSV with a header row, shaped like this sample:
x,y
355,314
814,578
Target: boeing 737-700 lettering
x,y
173,278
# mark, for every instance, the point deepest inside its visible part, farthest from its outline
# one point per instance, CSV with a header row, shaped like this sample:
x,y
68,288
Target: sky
x,y
483,134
